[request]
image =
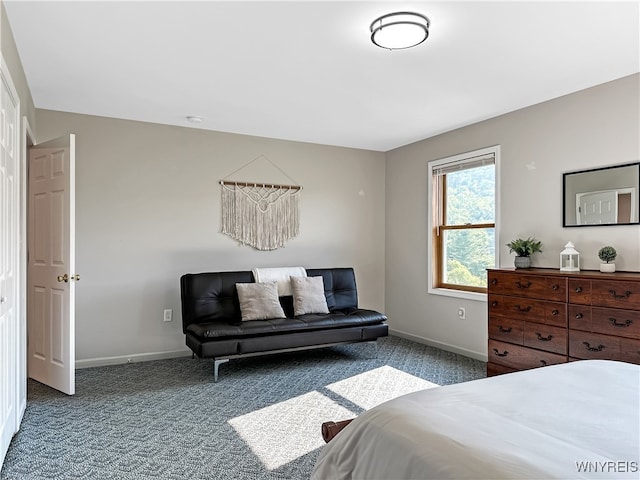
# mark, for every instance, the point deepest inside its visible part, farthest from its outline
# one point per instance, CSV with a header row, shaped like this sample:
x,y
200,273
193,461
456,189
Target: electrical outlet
x,y
167,315
462,314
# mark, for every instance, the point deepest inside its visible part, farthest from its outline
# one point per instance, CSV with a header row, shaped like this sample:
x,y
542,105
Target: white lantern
x,y
569,259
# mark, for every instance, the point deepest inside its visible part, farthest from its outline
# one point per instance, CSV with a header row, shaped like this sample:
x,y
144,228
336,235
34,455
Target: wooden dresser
x,y
542,316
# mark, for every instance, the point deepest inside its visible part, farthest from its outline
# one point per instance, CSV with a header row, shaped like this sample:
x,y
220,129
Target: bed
x,y
575,420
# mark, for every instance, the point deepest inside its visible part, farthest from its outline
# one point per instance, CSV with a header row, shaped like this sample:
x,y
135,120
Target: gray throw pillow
x,y
308,295
259,301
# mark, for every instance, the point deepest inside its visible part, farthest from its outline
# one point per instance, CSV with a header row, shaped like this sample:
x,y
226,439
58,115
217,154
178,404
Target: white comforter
x,y
575,420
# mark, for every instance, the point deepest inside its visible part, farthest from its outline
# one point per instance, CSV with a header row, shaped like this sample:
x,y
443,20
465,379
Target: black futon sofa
x,y
212,322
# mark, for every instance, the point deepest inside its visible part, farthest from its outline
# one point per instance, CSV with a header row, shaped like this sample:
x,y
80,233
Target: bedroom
x,y
137,233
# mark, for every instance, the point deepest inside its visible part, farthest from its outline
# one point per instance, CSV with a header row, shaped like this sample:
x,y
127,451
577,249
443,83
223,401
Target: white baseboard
x,y
443,346
133,358
146,357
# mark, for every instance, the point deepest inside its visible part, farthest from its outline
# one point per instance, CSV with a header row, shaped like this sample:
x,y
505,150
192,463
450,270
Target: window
x,y
462,220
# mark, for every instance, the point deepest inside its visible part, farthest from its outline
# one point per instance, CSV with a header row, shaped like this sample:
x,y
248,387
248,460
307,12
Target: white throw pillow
x,y
308,295
259,301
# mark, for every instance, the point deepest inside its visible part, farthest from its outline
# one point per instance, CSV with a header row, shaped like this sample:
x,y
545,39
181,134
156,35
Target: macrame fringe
x,y
264,217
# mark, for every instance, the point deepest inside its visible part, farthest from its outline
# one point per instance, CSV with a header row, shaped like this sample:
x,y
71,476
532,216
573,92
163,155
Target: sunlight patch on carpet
x,y
280,433
376,386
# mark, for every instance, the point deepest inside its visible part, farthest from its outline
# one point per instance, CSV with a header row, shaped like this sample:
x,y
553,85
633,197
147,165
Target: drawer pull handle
x,y
504,330
578,289
544,339
599,348
494,303
520,285
495,350
620,297
555,312
543,363
525,309
555,288
494,281
614,322
579,316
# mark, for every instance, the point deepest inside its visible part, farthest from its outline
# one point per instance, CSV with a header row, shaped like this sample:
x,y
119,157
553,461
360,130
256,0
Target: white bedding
x,y
535,424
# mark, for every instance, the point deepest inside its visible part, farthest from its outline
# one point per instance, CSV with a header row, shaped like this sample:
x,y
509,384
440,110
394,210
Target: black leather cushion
x,y
211,296
223,347
309,322
298,339
339,287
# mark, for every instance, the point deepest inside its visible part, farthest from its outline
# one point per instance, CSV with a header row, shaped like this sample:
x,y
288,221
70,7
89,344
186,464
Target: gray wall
x,y
148,210
588,129
12,59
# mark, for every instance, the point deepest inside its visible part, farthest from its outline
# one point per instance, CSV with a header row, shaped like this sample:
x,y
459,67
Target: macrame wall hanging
x,y
262,215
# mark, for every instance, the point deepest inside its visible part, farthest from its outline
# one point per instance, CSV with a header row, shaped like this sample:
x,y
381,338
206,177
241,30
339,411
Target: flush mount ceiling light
x,y
399,30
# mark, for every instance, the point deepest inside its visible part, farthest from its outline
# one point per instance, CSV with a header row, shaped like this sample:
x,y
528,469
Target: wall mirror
x,y
602,196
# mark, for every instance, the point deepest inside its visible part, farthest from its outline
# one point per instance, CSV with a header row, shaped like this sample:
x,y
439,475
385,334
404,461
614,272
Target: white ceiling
x,y
307,71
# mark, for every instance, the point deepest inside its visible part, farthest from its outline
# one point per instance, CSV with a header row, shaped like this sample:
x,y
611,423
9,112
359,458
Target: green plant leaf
x,y
525,247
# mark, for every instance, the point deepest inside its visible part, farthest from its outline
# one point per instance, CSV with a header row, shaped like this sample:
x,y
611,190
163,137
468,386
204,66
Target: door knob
x,y
65,278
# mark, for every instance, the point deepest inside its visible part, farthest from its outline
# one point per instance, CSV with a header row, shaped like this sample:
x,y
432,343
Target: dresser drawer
x,y
516,307
506,329
614,321
495,369
579,317
586,345
530,286
555,314
545,337
551,313
617,294
630,350
579,291
521,358
610,321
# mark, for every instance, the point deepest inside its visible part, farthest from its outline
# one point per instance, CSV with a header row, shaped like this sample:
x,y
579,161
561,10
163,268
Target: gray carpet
x,y
168,420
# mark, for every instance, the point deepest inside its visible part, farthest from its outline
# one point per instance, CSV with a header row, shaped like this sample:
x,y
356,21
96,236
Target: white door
x,y
595,208
9,262
51,264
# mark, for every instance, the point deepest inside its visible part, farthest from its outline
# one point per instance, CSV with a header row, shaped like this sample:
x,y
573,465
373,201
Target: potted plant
x,y
607,254
523,249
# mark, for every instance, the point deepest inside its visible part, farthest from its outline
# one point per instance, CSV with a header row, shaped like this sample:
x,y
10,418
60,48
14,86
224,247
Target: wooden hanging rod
x,y
258,184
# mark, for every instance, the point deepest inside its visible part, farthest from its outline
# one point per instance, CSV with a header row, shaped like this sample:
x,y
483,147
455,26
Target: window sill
x,y
449,292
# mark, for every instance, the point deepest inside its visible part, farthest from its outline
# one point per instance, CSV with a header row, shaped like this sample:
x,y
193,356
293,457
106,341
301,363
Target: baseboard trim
x,y
133,358
147,357
483,357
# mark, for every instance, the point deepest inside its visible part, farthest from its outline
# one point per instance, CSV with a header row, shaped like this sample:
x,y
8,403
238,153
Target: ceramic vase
x,y
522,262
608,267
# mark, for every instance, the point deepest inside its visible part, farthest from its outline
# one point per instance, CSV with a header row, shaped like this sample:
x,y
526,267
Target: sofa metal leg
x,y
216,364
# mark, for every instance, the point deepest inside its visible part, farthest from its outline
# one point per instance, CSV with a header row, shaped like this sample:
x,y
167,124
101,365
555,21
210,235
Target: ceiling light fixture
x,y
399,30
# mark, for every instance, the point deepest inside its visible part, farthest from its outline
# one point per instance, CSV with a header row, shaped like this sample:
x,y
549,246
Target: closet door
x,y
9,263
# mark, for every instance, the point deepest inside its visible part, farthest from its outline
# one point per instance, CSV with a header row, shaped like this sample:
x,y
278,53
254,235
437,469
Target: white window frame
x,y
460,158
